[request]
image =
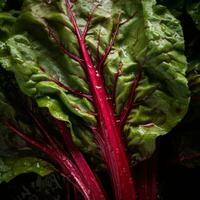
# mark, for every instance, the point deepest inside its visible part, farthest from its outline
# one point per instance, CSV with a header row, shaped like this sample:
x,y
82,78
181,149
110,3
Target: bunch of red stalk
x,y
108,132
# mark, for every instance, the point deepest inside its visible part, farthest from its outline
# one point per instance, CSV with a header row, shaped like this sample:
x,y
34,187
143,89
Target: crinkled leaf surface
x,y
149,38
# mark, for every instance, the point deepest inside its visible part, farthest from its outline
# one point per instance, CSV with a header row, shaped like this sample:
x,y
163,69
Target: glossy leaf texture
x,y
147,40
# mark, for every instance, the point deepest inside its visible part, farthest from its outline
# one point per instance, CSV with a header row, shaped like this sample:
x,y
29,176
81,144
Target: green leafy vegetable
x,y
106,71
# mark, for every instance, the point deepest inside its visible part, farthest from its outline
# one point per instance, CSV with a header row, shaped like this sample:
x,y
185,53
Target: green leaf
x,y
27,57
10,167
149,38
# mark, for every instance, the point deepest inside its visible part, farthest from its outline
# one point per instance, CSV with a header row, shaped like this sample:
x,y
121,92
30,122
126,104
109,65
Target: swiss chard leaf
x,y
149,41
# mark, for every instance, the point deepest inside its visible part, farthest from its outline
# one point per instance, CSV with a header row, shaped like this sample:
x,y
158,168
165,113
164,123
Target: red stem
x,y
67,167
108,49
67,187
42,147
116,158
63,49
43,130
89,21
76,194
147,180
93,182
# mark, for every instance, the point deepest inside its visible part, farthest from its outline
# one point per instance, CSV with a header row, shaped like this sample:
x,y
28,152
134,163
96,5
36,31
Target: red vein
x,y
109,48
117,74
43,130
63,49
71,15
42,147
74,92
128,19
98,46
89,21
130,100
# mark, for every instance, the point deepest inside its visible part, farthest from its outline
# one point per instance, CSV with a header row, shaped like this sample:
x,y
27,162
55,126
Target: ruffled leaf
x,y
149,41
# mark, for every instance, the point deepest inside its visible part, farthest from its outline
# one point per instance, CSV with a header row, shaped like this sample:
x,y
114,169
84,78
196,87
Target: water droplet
x,y
77,109
38,165
25,163
108,98
130,180
98,87
49,1
63,158
118,120
97,73
89,191
117,151
124,170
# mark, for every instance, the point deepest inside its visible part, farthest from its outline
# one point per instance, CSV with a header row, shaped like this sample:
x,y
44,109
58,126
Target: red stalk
x,y
68,168
76,194
116,158
44,132
92,181
67,187
147,180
